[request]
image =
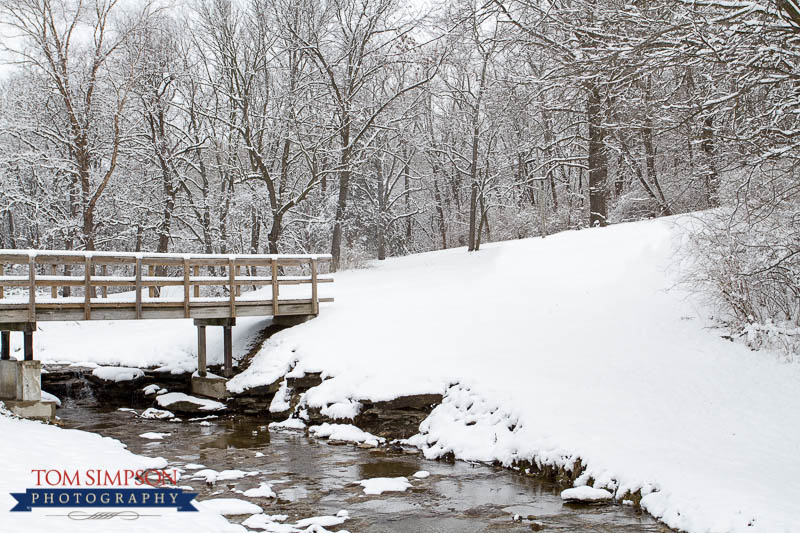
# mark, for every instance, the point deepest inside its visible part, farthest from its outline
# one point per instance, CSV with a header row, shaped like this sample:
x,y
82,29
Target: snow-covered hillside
x,y
577,345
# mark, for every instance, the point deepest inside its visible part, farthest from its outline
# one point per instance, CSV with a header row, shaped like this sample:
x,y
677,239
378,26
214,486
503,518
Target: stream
x,y
312,478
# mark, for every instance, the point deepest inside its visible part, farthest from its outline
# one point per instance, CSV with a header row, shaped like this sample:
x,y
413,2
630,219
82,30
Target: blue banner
x,y
160,497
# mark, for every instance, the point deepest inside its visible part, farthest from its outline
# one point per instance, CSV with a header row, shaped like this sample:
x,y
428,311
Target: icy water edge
x,y
313,478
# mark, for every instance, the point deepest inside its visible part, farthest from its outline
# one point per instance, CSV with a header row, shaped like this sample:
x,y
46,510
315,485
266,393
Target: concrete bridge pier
x,y
21,381
204,384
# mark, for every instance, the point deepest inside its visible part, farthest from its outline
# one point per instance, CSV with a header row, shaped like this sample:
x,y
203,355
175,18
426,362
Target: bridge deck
x,y
61,285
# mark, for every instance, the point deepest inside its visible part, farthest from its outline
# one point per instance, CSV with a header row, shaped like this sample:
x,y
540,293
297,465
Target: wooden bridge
x,y
213,290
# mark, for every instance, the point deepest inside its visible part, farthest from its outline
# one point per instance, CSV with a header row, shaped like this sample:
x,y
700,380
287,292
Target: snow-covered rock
x,y
314,524
52,398
422,474
289,423
117,373
151,389
321,521
212,476
229,506
345,433
269,523
153,435
264,490
156,414
178,401
585,494
379,485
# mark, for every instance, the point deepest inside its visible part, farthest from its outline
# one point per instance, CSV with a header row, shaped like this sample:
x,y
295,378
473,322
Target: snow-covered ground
x,y
577,345
574,346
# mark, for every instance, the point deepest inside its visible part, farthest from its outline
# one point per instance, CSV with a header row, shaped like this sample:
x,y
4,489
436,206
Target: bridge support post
x,y
21,381
201,351
228,347
227,342
5,349
28,345
205,384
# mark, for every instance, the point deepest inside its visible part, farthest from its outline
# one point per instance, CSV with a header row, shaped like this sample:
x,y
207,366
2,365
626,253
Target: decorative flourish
x,y
103,515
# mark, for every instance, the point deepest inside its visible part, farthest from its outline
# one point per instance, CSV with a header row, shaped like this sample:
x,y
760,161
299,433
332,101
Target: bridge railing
x,y
138,282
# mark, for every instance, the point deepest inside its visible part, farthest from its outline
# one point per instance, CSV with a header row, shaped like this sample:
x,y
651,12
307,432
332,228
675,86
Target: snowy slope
x,y
28,445
577,345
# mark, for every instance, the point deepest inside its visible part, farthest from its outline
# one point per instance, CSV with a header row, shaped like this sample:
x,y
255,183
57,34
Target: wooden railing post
x,y
138,287
151,288
2,273
238,287
197,286
274,265
186,282
104,274
314,294
54,288
31,289
232,286
87,299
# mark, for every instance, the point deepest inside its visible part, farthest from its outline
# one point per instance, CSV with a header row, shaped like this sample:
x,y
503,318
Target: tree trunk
x,y
710,171
380,222
437,196
598,160
341,203
650,164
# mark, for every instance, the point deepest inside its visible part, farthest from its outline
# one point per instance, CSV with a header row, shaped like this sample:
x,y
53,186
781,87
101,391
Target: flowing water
x,y
313,478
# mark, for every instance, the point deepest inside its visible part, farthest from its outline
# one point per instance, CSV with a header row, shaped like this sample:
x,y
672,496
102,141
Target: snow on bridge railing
x,y
30,280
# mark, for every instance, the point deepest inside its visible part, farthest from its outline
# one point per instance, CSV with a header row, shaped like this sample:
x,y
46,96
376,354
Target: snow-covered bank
x,y
28,445
575,346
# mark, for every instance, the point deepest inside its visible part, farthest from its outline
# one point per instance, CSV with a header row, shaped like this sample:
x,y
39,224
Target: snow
x,y
51,447
315,524
422,474
47,397
157,414
154,435
585,494
339,410
229,506
212,476
151,389
264,490
269,523
579,345
289,423
323,521
204,404
280,402
117,373
345,433
379,485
